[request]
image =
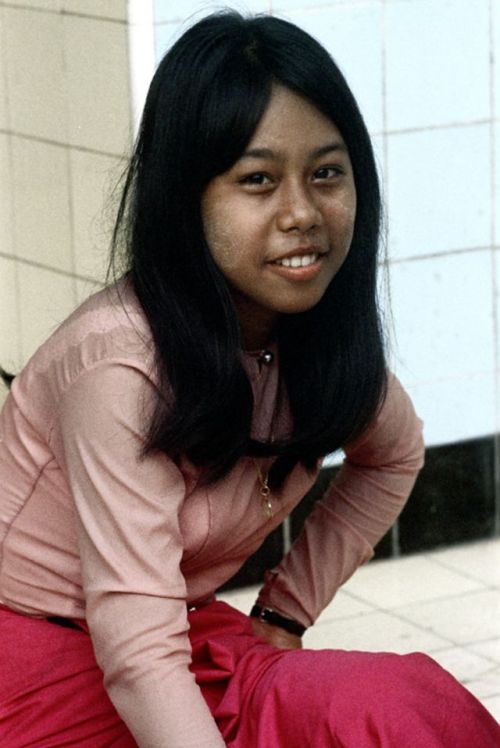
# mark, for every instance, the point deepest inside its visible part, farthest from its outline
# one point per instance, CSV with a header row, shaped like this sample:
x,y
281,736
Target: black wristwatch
x,y
270,616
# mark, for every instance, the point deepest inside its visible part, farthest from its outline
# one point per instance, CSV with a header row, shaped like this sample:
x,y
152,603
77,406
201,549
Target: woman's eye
x,y
328,172
258,179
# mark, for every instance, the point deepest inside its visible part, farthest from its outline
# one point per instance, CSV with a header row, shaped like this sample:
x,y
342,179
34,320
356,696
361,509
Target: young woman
x,y
179,415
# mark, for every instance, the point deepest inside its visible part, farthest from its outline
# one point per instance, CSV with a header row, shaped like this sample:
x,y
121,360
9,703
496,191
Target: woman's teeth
x,y
298,261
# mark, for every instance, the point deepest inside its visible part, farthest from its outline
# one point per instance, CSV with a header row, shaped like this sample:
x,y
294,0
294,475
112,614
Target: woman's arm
x,y
361,504
130,544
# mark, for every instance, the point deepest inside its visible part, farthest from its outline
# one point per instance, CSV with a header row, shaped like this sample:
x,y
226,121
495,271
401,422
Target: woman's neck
x,y
257,325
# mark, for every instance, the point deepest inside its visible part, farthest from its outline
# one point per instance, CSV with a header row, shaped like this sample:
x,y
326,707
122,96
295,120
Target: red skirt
x,y
51,692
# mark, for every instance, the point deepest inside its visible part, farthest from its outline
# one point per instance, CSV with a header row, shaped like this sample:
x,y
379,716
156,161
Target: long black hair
x,y
203,106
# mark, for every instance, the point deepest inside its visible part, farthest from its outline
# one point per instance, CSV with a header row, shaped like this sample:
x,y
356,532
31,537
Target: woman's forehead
x,y
292,119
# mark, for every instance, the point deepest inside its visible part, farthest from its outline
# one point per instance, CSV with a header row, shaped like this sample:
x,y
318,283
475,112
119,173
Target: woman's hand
x,y
275,635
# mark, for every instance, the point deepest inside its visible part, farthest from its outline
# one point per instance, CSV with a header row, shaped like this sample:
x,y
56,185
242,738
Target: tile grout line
x,y
440,254
123,156
70,193
384,133
62,12
465,575
401,616
51,269
408,621
425,601
438,127
13,228
414,258
467,648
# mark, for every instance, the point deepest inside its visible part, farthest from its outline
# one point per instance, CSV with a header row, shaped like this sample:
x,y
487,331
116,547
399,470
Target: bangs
x,y
230,114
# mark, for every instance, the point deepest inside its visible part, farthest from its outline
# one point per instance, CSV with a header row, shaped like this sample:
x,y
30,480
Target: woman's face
x,y
279,222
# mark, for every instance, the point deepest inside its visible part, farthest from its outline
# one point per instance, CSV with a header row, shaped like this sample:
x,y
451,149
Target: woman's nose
x,y
297,210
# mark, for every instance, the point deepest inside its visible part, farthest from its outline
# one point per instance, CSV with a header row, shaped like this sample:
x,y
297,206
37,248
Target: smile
x,y
299,261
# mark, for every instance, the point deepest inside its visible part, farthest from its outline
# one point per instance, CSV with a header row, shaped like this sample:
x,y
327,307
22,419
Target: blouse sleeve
x,y
127,510
359,507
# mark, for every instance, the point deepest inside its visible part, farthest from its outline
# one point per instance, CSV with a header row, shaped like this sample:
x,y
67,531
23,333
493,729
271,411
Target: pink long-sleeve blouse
x,y
91,529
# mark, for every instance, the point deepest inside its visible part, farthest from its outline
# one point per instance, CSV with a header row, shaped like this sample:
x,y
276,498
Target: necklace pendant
x,y
265,493
267,505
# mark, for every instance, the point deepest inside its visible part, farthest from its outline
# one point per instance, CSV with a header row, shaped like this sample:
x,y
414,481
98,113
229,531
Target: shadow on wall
x,y
6,377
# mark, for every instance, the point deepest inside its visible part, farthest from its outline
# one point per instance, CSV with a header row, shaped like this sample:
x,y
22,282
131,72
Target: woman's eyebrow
x,y
273,155
330,148
262,153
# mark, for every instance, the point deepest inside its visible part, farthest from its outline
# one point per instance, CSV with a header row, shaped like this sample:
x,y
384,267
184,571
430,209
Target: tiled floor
x,y
445,603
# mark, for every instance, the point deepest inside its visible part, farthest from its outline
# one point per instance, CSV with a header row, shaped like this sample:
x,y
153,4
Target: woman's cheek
x,y
222,242
343,221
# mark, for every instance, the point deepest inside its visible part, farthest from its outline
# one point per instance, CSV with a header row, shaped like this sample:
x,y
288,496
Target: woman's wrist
x,y
268,615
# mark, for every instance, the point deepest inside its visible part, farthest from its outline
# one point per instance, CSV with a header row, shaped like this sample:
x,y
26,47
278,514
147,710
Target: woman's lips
x,y
298,267
298,261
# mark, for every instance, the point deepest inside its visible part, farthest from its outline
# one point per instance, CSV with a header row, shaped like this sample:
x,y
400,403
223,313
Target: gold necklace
x,y
265,491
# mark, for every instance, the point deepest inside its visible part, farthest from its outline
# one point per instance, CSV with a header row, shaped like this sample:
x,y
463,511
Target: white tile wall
x,y
443,316
280,6
40,189
444,342
181,10
352,33
166,34
495,17
455,410
172,19
439,190
378,143
496,178
437,62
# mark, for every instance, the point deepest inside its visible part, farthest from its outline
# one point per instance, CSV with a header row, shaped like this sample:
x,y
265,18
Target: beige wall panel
x,y
97,84
3,393
85,288
46,299
36,86
93,178
9,328
102,8
4,115
42,220
6,227
39,4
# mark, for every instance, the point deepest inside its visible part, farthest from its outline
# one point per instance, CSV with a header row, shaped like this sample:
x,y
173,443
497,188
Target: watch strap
x,y
276,619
